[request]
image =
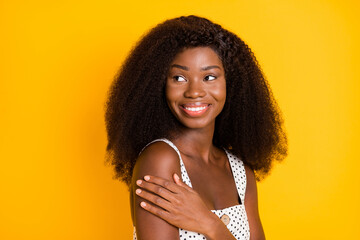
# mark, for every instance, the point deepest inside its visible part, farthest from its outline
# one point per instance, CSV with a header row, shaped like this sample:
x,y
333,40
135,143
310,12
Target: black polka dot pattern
x,y
238,224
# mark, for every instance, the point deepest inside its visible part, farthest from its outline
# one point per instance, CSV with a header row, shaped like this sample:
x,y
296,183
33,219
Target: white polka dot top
x,y
234,217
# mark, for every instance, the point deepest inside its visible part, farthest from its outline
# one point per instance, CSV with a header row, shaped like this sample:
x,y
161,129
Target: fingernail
x,y
143,204
138,191
176,177
147,178
138,182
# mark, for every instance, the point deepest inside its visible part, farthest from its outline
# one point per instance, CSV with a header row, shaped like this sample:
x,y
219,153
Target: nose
x,y
195,89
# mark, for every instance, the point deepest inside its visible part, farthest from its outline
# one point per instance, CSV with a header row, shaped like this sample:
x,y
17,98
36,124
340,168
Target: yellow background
x,y
58,59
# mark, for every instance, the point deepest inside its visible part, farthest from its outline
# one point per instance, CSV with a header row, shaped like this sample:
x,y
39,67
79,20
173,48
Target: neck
x,y
197,143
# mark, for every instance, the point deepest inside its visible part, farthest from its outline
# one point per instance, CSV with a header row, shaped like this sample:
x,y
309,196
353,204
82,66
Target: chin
x,y
196,124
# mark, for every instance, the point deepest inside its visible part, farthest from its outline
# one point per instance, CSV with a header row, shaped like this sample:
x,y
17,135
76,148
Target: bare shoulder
x,y
251,205
251,188
161,160
158,159
250,176
248,170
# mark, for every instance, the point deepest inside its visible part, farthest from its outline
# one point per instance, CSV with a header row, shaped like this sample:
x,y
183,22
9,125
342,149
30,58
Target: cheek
x,y
219,93
168,90
171,94
173,91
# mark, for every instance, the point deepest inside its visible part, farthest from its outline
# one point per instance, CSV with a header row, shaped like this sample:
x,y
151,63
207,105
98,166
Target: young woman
x,y
192,124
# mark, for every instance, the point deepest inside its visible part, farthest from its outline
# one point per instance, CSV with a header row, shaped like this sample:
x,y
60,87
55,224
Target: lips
x,y
195,109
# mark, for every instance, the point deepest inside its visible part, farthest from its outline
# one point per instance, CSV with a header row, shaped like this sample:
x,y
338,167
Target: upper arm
x,y
251,206
158,159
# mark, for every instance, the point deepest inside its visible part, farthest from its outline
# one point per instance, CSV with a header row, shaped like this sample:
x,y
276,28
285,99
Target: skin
x,y
164,203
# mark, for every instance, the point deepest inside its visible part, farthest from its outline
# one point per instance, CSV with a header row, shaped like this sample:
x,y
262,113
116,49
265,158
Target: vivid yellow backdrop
x,y
58,59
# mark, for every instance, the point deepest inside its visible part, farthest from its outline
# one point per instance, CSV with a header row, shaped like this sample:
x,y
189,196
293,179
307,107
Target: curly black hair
x,y
250,124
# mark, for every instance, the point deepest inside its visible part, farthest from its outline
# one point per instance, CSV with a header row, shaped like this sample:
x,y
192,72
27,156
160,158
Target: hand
x,y
176,203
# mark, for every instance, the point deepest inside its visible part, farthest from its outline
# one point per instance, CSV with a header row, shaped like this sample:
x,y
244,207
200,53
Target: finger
x,y
179,182
157,189
155,199
162,182
165,215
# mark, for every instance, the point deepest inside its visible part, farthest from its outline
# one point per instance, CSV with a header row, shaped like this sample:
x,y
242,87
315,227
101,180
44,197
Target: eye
x,y
209,78
179,79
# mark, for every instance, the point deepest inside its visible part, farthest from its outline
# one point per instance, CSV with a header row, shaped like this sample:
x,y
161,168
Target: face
x,y
196,87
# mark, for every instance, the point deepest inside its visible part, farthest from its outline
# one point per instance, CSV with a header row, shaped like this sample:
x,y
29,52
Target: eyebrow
x,y
209,67
202,69
181,67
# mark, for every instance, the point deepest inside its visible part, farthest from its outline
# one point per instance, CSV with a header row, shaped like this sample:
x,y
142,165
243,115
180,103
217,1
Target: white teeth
x,y
195,109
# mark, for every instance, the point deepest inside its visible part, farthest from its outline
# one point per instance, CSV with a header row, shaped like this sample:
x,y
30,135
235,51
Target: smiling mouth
x,y
194,111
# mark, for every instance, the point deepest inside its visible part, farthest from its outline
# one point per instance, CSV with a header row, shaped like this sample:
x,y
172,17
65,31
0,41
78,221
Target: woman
x,y
191,102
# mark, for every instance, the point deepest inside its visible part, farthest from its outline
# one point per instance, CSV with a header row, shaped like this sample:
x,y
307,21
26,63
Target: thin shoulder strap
x,y
184,174
163,140
238,171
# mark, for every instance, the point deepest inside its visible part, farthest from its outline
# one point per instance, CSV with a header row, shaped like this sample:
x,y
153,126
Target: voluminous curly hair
x,y
250,124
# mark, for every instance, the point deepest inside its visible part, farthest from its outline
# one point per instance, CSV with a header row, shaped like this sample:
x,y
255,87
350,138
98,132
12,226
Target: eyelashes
x,y
210,78
179,78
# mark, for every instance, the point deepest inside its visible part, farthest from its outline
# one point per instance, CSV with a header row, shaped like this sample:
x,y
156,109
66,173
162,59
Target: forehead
x,y
197,57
